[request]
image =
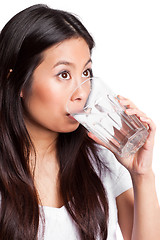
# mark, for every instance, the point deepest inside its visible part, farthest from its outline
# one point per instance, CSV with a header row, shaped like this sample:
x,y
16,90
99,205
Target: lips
x,y
70,117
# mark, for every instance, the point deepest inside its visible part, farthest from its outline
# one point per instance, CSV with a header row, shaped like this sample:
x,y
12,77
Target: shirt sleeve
x,y
122,183
117,176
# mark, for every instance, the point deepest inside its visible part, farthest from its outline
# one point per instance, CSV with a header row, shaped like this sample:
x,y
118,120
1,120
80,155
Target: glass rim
x,y
86,80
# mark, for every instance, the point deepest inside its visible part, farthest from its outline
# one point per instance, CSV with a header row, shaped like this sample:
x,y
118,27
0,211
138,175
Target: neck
x,y
45,166
44,142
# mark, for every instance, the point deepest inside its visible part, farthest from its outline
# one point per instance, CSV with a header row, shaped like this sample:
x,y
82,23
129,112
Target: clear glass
x,y
96,107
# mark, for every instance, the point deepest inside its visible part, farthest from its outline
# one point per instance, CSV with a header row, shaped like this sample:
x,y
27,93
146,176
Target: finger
x,y
126,102
121,97
96,139
135,111
151,126
138,113
91,135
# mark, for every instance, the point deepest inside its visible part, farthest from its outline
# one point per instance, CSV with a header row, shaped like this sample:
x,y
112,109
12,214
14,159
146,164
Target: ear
x,y
21,94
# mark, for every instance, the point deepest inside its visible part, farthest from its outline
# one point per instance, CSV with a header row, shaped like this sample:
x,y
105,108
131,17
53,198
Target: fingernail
x,y
120,97
143,118
128,110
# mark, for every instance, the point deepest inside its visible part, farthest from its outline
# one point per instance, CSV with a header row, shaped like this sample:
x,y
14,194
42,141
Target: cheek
x,y
48,92
46,105
45,92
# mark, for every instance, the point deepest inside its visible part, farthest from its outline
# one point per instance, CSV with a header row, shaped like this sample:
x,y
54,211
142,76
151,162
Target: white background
x,y
127,52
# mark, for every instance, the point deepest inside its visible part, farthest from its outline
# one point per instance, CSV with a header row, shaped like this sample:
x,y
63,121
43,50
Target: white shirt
x,y
58,223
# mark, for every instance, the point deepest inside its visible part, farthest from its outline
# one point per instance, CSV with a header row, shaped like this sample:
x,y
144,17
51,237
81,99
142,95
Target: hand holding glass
x,y
96,107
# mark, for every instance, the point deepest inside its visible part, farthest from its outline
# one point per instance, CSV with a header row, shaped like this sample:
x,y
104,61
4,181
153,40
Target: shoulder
x,y
116,176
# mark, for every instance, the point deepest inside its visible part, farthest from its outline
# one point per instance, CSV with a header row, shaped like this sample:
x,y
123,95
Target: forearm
x,y
146,224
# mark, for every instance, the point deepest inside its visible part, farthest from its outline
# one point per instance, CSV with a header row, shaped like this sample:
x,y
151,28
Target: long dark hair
x,y
22,42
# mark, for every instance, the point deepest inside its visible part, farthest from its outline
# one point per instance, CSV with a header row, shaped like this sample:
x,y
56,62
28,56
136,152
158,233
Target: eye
x,y
87,73
64,75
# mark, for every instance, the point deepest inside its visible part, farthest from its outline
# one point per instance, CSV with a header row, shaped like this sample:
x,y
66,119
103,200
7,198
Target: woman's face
x,y
64,66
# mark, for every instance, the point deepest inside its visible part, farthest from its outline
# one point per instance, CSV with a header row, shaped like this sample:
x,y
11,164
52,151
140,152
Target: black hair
x,y
22,42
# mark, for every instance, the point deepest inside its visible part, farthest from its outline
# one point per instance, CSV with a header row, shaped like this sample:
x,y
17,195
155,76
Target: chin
x,y
71,128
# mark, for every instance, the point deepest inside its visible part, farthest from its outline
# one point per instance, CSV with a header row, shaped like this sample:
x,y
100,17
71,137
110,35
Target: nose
x,y
78,94
81,92
79,97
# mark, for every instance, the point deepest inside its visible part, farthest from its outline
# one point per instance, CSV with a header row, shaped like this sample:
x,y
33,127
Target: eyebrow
x,y
69,63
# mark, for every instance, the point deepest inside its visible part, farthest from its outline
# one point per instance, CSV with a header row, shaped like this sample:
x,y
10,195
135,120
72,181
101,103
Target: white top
x,y
58,223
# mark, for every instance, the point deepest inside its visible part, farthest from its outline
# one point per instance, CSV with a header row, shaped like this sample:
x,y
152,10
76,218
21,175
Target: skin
x,y
64,67
138,208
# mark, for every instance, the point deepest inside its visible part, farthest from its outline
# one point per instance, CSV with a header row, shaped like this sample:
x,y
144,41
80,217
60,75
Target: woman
x,y
55,181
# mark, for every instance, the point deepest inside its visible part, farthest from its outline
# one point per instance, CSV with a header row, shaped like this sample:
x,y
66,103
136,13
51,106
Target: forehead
x,y
72,50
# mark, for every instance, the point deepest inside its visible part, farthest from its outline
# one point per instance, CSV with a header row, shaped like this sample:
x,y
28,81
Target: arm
x,y
139,211
125,206
146,220
146,208
139,219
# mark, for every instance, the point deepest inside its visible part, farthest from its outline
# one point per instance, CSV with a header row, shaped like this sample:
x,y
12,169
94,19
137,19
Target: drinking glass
x,y
94,105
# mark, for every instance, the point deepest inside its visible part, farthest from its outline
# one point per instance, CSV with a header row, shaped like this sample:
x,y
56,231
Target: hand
x,y
140,162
